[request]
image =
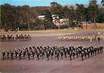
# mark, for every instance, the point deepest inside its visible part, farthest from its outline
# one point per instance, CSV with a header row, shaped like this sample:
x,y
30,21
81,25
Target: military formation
x,y
50,53
12,37
84,36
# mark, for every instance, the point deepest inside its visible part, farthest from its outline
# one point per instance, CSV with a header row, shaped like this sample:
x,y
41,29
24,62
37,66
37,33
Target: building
x,y
64,21
56,20
42,17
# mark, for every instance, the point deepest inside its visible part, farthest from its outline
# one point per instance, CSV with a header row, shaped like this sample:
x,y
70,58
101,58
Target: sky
x,y
44,2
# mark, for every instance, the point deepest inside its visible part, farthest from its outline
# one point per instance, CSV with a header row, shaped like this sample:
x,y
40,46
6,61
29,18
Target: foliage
x,y
25,17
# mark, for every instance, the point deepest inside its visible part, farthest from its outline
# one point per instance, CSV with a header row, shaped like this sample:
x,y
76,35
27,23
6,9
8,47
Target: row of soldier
x,y
15,37
49,53
82,38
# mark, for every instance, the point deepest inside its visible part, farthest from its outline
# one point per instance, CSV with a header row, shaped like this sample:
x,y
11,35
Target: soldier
x,y
11,55
57,54
37,54
61,52
3,55
29,37
24,54
16,53
47,55
20,55
17,37
77,52
82,56
29,55
98,39
8,54
101,49
88,50
70,56
33,54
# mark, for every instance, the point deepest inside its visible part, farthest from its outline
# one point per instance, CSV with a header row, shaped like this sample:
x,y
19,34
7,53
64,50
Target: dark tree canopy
x,y
13,17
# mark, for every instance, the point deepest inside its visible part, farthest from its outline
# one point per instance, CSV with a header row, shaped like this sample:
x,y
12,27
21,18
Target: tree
x,y
56,9
80,12
8,18
92,12
100,17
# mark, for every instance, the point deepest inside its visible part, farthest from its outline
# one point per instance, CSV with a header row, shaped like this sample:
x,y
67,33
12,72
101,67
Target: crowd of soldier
x,y
81,38
15,37
84,36
49,53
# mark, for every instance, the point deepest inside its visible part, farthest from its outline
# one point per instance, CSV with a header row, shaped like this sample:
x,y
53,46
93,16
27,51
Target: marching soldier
x,y
3,55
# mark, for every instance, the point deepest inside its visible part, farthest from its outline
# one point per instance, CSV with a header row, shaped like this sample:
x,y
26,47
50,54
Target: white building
x,y
42,17
64,21
61,22
55,17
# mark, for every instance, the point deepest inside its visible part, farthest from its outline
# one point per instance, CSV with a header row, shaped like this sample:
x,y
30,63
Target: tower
x,y
92,3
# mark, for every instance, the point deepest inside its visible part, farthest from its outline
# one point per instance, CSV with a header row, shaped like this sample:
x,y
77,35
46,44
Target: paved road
x,y
94,64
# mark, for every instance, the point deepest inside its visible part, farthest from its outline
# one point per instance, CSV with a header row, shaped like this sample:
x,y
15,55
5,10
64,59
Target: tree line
x,y
25,17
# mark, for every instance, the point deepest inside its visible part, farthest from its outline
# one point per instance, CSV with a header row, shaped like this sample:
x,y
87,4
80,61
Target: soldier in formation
x,y
15,37
49,53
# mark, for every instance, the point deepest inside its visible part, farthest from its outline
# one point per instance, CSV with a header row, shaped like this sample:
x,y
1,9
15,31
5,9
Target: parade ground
x,y
52,36
94,64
